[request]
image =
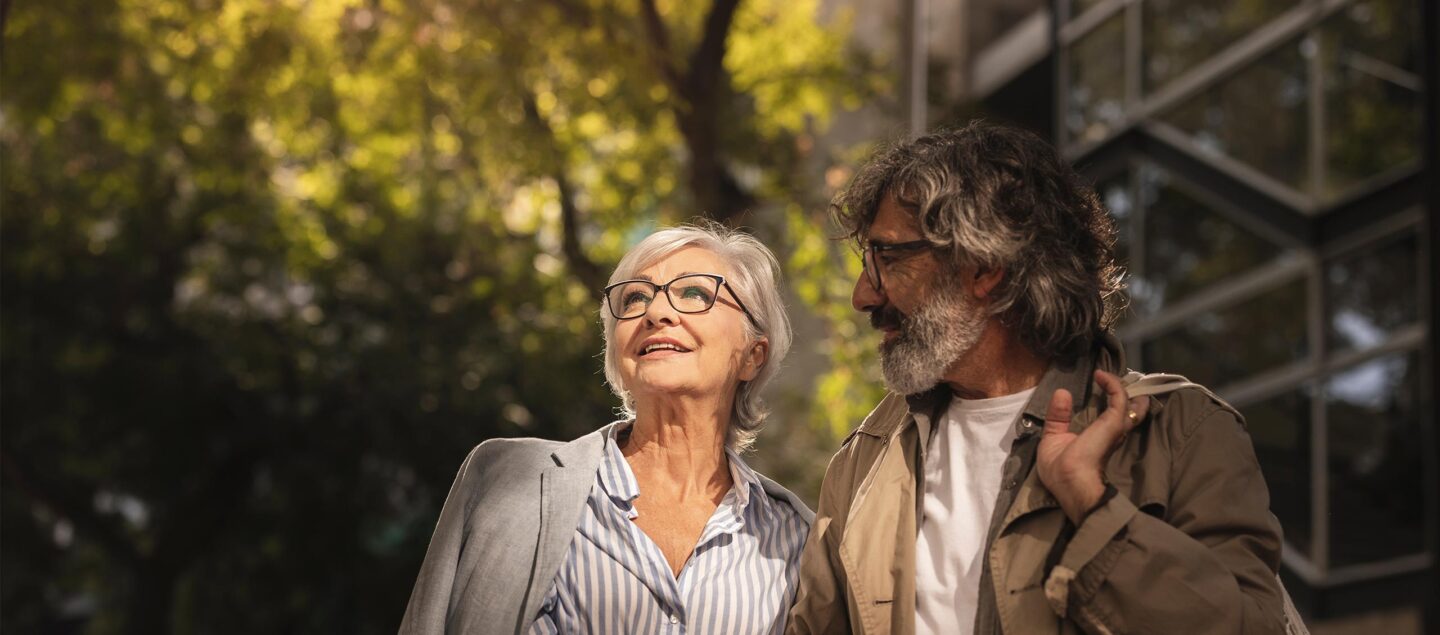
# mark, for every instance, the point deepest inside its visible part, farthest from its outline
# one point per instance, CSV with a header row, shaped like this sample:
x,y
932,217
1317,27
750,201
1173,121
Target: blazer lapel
x,y
563,490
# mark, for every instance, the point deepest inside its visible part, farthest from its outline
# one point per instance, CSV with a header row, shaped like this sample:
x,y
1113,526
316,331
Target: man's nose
x,y
865,298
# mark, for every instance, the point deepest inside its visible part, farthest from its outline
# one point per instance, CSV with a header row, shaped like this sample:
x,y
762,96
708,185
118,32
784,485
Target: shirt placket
x,y
727,519
1017,467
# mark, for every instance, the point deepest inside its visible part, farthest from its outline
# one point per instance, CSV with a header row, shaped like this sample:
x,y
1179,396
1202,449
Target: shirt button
x,y
674,620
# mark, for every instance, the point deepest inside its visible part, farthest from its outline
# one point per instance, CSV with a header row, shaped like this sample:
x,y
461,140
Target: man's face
x,y
928,316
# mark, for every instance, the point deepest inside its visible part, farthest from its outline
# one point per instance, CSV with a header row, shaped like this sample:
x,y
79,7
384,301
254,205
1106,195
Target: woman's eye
x,y
698,293
635,297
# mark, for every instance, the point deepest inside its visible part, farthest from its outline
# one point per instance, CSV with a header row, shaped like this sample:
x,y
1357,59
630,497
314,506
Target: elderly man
x,y
1008,484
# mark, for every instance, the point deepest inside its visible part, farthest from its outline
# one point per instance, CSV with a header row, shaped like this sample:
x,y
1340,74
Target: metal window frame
x,y
1313,249
1289,25
1313,565
1225,208
1219,296
1304,20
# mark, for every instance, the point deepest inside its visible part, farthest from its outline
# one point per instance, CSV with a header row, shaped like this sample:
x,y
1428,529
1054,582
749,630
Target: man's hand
x,y
1071,464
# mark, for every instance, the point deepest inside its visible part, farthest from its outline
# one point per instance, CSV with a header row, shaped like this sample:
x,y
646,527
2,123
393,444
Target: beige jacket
x,y
1186,545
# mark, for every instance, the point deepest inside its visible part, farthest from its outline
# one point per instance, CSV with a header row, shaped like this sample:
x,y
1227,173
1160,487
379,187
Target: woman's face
x,y
665,353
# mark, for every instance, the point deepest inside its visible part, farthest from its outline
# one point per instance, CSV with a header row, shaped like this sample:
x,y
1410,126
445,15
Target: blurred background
x,y
270,268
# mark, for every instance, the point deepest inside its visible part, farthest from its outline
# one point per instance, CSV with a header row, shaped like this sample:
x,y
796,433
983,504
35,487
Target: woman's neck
x,y
677,448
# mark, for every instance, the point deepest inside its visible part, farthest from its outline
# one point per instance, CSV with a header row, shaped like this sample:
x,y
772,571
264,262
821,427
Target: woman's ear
x,y
755,359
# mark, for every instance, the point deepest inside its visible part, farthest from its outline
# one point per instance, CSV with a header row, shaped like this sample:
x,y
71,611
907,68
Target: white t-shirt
x,y
963,469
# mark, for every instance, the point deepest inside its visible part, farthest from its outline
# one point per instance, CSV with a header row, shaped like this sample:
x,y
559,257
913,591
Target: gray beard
x,y
929,342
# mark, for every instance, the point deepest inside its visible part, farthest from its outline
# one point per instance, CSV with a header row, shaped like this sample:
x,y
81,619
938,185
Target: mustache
x,y
887,317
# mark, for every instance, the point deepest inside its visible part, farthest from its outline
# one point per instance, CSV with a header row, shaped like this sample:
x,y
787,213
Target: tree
x,y
271,268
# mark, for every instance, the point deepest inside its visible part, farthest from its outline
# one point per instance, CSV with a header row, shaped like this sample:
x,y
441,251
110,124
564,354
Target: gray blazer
x,y
504,532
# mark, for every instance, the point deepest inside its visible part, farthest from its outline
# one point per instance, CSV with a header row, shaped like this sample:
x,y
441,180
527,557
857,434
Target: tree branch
x,y
707,62
585,269
659,47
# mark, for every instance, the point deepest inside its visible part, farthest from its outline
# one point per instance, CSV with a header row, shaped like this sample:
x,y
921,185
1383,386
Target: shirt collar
x,y
1108,355
616,478
746,480
619,483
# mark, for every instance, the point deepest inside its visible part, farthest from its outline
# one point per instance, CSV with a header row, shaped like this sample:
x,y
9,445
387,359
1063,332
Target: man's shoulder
x,y
889,414
1184,409
862,447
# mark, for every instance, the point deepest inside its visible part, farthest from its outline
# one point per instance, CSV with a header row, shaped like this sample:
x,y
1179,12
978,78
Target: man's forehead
x,y
893,222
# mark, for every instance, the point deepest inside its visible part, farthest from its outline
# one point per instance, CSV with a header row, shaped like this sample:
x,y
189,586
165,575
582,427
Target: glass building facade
x,y
1265,162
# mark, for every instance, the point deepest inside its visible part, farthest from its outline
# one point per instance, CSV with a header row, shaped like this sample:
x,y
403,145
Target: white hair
x,y
754,276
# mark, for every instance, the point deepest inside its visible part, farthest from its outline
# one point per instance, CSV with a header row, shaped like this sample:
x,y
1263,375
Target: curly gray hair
x,y
755,274
993,196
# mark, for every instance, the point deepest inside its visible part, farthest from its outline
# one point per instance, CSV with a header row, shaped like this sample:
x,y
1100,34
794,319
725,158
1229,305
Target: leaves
x,y
272,267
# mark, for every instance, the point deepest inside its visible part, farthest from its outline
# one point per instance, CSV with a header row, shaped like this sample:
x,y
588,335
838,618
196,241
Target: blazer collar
x,y
564,486
584,452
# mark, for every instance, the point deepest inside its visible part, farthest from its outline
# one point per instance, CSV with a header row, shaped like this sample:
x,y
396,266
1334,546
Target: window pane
x,y
1257,116
1097,81
1178,34
1222,347
1117,197
1372,91
989,22
1280,429
1376,500
1373,293
1188,245
1079,7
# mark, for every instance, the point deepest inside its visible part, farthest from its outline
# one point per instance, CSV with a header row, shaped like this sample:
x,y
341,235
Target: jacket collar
x,y
585,451
1077,376
564,487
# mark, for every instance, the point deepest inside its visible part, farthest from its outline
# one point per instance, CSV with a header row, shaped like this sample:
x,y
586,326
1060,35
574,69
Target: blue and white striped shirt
x,y
740,578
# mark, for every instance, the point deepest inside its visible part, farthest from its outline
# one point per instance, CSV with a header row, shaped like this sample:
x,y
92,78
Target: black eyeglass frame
x,y
665,288
869,258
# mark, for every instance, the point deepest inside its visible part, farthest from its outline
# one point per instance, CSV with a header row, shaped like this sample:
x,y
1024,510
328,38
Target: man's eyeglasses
x,y
870,257
690,293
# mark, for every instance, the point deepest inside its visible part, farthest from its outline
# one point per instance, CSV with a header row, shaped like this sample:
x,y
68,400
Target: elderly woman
x,y
652,523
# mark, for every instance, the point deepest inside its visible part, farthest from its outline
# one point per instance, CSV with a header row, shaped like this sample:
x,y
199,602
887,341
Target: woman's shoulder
x,y
512,448
511,456
785,500
518,458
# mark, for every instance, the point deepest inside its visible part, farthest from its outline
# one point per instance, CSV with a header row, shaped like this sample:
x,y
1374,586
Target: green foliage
x,y
271,268
847,391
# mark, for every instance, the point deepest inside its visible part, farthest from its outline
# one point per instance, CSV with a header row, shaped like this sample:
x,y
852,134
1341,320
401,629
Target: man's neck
x,y
998,365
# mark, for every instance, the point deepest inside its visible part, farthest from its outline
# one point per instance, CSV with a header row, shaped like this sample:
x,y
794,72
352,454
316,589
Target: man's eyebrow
x,y
886,243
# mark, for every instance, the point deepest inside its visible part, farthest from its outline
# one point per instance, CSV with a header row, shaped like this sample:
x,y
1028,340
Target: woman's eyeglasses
x,y
690,293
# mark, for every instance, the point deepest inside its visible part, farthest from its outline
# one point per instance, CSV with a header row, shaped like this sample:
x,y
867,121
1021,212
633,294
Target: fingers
x,y
1139,407
1057,416
1115,421
1114,390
